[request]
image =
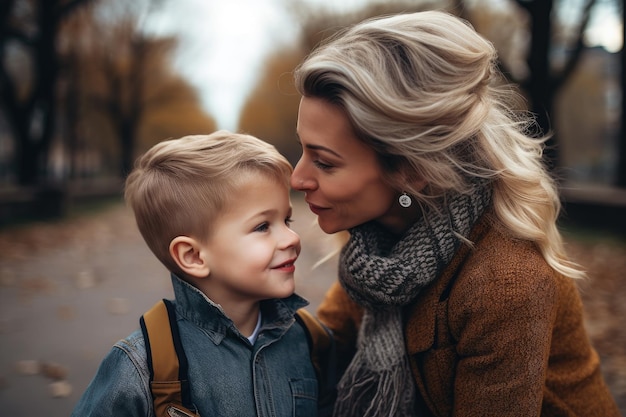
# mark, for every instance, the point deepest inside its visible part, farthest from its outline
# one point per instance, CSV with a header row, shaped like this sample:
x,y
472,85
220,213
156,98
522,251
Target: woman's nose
x,y
299,179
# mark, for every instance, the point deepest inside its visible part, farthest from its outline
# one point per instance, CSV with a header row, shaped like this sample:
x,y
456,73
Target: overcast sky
x,y
223,44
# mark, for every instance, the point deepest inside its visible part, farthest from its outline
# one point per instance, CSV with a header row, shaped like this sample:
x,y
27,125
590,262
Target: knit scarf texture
x,y
383,274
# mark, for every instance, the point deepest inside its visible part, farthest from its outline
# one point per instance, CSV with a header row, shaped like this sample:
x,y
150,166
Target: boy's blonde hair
x,y
179,186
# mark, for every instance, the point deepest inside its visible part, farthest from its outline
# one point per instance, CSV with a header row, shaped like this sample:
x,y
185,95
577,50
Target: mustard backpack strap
x,y
167,362
324,359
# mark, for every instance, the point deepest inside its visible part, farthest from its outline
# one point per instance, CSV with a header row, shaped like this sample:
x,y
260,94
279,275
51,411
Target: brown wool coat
x,y
499,333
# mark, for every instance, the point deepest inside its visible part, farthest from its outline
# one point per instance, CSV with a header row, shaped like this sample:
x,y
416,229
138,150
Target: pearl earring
x,y
405,201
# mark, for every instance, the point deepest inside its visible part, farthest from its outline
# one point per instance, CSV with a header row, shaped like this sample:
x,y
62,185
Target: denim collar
x,y
195,306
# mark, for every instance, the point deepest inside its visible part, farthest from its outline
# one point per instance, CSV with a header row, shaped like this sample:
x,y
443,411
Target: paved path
x,y
68,291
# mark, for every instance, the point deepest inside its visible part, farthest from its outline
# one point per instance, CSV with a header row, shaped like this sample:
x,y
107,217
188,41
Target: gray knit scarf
x,y
383,274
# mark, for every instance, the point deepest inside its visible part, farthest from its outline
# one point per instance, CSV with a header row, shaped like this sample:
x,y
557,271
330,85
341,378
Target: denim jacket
x,y
228,375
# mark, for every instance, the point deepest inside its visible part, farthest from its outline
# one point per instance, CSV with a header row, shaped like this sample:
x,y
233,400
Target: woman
x,y
455,295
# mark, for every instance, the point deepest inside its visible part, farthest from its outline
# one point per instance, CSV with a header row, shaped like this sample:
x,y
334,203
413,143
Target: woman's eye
x,y
322,165
288,221
263,227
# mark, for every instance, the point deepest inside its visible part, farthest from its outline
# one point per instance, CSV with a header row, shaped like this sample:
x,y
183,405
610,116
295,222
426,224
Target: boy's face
x,y
252,250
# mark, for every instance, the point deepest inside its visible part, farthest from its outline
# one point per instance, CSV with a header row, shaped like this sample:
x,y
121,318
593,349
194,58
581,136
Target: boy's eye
x,y
262,227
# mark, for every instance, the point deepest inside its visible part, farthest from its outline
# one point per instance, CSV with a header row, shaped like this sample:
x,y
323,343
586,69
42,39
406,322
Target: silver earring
x,y
405,201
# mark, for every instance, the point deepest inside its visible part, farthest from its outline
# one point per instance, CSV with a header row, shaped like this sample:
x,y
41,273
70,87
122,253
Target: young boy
x,y
215,210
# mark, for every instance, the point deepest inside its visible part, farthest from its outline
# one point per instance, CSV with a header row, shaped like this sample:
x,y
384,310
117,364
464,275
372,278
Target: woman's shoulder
x,y
500,265
498,252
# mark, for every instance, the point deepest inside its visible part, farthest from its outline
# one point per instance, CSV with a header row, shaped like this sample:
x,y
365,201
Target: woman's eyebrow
x,y
318,147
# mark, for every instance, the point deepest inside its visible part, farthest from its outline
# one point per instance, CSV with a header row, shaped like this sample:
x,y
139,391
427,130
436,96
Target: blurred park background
x,y
88,85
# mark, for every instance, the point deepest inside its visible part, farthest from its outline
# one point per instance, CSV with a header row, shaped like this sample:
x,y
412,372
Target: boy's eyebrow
x,y
318,147
272,211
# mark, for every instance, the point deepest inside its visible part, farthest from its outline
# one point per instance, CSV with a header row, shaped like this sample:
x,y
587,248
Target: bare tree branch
x,y
559,79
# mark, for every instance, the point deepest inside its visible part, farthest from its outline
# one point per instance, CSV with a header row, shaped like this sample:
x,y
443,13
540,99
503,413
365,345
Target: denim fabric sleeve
x,y
120,386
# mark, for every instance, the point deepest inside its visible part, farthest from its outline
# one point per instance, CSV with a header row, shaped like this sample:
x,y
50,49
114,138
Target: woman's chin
x,y
327,227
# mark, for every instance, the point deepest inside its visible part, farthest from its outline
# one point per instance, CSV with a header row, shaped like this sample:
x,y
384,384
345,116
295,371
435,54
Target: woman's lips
x,y
316,209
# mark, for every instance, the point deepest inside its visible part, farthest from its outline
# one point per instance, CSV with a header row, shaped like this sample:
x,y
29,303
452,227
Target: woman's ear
x,y
419,183
407,175
187,253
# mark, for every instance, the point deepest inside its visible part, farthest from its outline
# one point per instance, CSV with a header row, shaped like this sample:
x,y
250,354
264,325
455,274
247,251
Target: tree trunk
x,y
126,131
27,168
621,161
540,87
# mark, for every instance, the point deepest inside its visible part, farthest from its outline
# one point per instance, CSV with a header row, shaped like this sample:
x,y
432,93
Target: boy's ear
x,y
188,255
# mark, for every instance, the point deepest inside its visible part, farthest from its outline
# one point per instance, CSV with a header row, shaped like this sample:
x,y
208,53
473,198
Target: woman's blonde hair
x,y
179,186
423,90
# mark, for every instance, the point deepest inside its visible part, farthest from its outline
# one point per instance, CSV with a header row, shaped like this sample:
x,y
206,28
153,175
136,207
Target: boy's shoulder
x,y
133,343
134,346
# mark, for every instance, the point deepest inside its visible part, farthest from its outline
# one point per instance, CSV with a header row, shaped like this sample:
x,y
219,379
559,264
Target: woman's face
x,y
340,175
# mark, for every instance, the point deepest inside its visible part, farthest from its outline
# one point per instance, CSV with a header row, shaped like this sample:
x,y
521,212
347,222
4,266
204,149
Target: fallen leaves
x,y
59,387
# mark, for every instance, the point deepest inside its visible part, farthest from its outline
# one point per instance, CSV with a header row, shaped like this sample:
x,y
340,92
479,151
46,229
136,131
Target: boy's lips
x,y
287,265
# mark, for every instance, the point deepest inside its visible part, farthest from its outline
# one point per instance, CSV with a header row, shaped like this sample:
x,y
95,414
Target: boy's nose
x,y
291,239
